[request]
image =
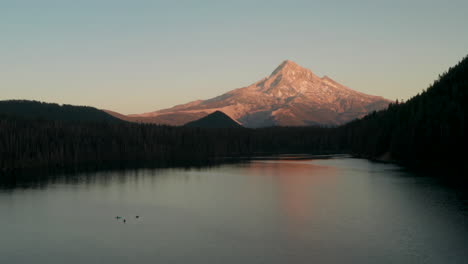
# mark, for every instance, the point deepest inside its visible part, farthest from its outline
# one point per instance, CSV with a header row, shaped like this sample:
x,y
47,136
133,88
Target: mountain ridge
x,y
290,96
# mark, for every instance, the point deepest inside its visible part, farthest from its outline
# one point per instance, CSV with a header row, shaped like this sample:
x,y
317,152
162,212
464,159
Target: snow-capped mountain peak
x,y
291,95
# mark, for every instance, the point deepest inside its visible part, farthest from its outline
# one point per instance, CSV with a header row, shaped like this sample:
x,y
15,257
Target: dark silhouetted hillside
x,y
430,129
216,119
55,112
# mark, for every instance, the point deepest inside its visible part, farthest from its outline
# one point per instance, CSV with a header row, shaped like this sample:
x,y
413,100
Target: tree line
x,y
30,143
428,129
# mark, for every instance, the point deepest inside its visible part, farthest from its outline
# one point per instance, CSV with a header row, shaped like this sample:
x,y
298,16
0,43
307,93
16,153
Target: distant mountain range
x,y
290,96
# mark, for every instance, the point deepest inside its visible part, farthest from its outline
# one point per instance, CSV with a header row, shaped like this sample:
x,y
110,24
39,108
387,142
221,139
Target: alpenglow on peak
x,y
288,66
290,96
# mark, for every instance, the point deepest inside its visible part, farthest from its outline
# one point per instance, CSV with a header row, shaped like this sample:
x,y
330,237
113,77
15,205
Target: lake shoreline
x,y
19,174
45,171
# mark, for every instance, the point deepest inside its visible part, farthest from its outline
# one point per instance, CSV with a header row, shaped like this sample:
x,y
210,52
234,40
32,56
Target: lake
x,y
337,210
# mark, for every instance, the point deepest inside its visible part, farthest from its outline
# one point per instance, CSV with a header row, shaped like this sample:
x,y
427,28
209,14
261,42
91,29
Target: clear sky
x,y
138,56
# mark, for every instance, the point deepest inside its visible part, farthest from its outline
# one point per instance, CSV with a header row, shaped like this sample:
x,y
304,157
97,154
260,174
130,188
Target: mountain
x,y
174,119
290,96
56,112
216,119
427,131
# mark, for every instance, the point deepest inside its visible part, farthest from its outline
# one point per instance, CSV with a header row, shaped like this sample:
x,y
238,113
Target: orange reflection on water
x,y
297,182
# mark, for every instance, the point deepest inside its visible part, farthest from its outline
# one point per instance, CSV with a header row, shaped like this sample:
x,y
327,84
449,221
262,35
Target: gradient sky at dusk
x,y
139,56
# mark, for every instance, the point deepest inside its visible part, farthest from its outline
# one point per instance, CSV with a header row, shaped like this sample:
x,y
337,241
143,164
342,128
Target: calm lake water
x,y
339,210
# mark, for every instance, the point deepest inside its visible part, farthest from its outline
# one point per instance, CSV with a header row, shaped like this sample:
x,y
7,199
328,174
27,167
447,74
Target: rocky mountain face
x,y
290,96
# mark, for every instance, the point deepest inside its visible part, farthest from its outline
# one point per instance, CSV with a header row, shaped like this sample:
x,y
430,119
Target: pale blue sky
x,y
139,56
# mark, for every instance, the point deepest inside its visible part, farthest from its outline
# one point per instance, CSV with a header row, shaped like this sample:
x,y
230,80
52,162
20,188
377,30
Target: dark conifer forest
x,y
427,130
27,143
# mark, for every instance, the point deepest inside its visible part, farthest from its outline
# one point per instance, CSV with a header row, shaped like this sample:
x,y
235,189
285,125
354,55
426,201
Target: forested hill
x,y
428,129
216,119
55,112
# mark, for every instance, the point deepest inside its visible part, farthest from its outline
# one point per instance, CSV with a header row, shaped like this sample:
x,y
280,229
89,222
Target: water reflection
x,y
297,183
101,177
281,211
